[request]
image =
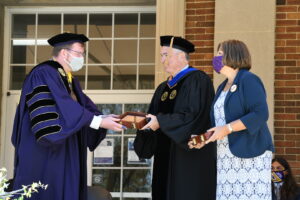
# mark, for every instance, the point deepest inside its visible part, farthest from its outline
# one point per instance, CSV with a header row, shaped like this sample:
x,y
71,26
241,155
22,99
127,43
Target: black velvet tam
x,y
178,43
67,38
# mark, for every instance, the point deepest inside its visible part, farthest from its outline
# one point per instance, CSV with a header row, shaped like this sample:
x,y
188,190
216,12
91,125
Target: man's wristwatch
x,y
230,128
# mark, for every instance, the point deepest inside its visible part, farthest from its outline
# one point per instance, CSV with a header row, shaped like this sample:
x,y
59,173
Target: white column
x,y
170,20
252,22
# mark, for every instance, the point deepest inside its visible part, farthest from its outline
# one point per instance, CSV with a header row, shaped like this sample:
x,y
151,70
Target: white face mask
x,y
76,63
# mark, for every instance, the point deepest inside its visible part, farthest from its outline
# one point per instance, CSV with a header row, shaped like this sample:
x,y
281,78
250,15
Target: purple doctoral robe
x,y
51,134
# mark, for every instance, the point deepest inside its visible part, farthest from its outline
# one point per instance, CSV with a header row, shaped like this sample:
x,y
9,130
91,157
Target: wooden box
x,y
134,120
201,138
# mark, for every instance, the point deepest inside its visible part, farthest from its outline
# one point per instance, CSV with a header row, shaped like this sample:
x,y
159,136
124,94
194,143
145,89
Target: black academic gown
x,y
178,172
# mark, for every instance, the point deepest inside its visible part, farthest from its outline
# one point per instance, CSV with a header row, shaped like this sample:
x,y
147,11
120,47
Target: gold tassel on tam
x,y
169,51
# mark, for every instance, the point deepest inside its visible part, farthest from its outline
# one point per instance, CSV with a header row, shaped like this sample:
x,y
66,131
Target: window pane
x,y
136,107
108,153
148,25
75,23
100,25
48,25
107,178
100,51
23,26
17,76
44,53
124,77
125,51
126,25
98,77
107,109
147,51
146,76
137,180
22,54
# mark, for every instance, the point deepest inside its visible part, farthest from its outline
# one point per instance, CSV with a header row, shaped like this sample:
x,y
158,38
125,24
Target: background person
x,y
284,186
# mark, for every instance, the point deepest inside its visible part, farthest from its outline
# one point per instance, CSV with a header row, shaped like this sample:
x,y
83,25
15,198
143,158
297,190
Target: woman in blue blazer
x,y
239,117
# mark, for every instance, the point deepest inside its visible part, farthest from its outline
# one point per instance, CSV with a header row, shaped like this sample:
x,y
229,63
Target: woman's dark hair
x,y
235,54
289,188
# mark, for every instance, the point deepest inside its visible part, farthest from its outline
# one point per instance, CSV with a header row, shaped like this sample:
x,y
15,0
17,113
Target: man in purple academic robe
x,y
55,123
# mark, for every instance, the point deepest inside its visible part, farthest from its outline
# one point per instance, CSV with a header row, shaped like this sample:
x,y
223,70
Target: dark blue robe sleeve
x,y
54,115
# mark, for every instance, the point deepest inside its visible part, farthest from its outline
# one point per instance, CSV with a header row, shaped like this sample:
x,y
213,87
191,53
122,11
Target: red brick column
x,y
200,17
287,83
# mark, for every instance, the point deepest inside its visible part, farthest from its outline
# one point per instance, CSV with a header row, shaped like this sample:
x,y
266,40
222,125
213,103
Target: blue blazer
x,y
247,103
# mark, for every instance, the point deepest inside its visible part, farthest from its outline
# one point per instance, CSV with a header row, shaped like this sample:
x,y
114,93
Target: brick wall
x,y
287,83
200,17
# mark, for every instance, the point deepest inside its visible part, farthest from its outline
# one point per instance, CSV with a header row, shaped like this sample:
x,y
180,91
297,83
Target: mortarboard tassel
x,y
169,53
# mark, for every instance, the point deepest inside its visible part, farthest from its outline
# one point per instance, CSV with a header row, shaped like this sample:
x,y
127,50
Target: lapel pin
x,y
233,88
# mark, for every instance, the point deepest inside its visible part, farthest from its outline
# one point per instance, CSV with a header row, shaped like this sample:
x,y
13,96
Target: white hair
x,y
187,56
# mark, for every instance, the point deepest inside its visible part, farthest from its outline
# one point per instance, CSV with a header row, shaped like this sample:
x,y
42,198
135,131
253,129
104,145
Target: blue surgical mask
x,y
278,176
76,63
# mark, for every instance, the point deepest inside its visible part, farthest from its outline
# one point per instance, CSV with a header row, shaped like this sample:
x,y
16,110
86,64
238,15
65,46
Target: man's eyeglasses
x,y
77,52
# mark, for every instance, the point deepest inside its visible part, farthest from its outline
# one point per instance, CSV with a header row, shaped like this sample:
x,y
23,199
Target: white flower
x,y
26,190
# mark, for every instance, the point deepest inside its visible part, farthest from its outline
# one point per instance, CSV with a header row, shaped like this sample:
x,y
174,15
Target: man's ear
x,y
64,53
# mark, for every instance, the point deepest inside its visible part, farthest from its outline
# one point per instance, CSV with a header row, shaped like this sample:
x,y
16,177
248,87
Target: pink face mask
x,y
217,63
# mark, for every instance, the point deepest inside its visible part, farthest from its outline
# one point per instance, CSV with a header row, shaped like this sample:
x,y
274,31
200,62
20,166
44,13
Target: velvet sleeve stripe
x,y
43,117
47,131
41,103
37,90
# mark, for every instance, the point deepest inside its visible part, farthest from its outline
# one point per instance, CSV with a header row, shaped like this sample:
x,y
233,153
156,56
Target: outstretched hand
x,y
111,122
153,124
